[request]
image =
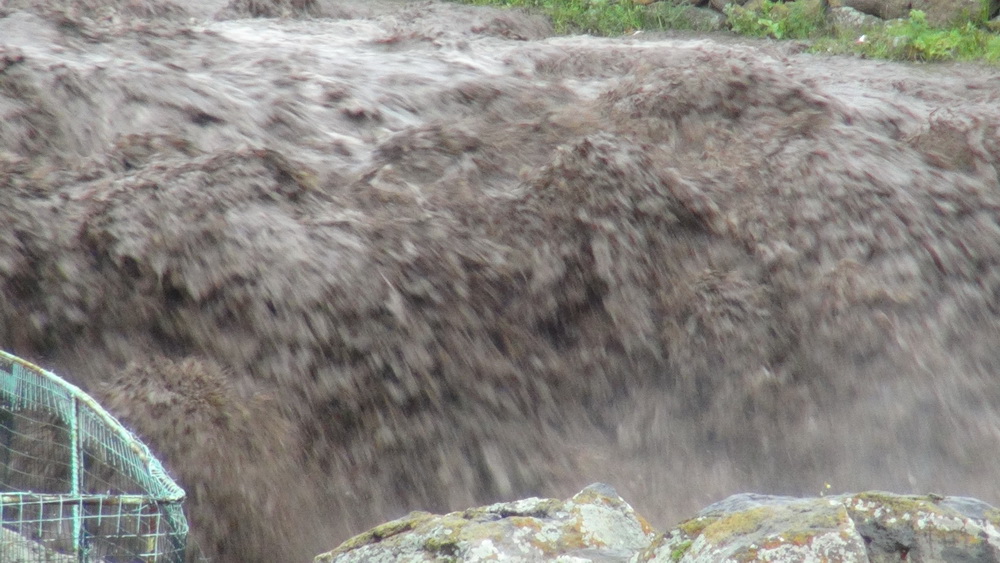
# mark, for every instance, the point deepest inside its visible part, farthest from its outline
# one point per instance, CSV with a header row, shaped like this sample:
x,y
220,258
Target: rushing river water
x,y
375,257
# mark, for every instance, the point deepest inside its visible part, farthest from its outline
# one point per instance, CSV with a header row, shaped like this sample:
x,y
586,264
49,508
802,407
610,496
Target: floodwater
x,y
336,261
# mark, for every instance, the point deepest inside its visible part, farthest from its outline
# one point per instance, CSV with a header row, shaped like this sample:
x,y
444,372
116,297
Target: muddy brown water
x,y
341,260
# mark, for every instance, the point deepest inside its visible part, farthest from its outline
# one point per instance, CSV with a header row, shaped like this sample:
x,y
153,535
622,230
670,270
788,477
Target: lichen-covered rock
x,y
596,524
865,527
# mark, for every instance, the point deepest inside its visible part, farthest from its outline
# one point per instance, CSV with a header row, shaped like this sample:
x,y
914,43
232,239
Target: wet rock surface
x,y
865,527
594,525
367,258
598,525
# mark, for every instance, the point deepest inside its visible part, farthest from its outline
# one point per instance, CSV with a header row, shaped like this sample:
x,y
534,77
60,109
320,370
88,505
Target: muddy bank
x,y
375,257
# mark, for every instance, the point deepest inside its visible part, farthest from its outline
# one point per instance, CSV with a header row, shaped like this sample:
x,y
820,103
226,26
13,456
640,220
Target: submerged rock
x,y
598,525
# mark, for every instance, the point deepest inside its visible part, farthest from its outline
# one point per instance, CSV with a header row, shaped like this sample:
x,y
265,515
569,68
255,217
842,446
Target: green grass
x,y
912,39
678,553
581,16
605,17
794,20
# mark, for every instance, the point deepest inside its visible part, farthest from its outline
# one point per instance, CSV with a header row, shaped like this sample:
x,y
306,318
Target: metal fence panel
x,y
75,485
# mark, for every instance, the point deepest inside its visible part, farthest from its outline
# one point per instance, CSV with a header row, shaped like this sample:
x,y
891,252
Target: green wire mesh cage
x,y
75,485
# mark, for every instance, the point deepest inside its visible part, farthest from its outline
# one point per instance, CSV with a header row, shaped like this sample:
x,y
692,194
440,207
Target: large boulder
x,y
872,526
684,15
846,19
594,524
597,525
939,12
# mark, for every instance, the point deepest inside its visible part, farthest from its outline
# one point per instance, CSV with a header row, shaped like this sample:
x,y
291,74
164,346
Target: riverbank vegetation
x,y
911,38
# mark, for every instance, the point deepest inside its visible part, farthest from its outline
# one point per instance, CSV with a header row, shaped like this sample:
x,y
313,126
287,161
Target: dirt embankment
x,y
377,257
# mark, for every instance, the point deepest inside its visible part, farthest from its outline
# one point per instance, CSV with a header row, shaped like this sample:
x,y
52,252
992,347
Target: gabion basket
x,y
75,485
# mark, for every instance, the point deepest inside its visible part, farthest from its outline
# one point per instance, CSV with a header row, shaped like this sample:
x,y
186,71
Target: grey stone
x,y
687,16
939,12
720,5
864,527
597,525
594,525
847,19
